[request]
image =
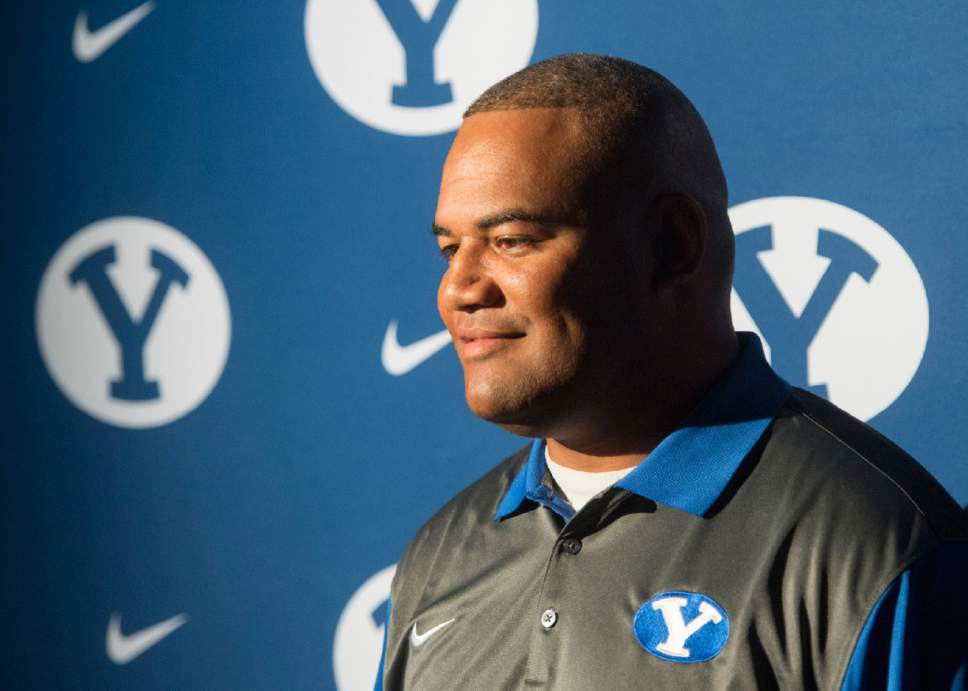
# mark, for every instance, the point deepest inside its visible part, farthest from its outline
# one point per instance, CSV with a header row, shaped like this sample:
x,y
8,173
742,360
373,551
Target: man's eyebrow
x,y
500,218
511,215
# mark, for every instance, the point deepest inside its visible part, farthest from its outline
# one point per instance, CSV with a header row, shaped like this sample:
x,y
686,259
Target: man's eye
x,y
515,242
447,252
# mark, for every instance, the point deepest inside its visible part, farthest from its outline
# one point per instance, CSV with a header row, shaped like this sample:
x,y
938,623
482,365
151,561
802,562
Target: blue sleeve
x,y
378,686
916,636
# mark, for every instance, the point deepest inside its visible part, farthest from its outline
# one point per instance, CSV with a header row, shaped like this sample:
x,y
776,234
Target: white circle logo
x,y
412,67
133,322
839,304
358,643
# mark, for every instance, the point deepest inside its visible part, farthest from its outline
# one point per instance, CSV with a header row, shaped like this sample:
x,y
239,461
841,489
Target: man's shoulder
x,y
856,466
470,508
478,502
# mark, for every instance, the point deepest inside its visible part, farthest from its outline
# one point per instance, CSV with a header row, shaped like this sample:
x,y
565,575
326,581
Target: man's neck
x,y
584,461
624,440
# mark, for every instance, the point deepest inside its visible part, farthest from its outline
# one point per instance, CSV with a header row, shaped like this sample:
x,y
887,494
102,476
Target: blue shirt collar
x,y
691,467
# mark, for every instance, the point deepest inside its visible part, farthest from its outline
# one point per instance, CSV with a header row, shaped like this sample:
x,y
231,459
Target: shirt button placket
x,y
549,618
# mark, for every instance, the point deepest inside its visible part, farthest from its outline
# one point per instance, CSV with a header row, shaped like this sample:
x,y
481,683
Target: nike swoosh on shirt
x,y
417,639
88,45
123,649
398,359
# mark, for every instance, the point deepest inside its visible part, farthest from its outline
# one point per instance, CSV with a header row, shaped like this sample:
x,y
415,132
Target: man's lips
x,y
478,343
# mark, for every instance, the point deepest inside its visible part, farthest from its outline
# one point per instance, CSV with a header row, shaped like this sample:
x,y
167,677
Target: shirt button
x,y
571,545
548,618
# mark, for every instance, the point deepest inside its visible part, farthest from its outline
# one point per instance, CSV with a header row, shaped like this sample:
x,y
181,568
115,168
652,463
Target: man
x,y
683,519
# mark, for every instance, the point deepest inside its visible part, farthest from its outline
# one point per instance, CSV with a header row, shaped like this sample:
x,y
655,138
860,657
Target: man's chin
x,y
516,414
515,422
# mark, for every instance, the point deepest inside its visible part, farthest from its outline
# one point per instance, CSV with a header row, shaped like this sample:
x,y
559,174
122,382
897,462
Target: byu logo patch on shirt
x,y
681,626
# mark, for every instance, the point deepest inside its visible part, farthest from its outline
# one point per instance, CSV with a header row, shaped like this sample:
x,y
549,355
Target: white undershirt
x,y
579,486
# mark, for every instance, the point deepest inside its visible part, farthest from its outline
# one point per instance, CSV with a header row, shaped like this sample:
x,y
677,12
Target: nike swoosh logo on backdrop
x,y
417,640
123,649
398,359
89,46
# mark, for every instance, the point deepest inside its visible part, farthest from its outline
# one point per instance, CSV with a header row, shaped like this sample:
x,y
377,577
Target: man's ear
x,y
679,239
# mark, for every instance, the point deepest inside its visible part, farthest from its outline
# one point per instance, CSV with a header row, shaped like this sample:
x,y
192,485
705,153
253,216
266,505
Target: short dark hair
x,y
643,133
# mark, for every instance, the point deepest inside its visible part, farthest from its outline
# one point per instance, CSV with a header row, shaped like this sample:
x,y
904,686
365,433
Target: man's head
x,y
582,211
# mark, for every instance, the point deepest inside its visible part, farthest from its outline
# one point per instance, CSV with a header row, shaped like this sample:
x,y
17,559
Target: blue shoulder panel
x,y
916,636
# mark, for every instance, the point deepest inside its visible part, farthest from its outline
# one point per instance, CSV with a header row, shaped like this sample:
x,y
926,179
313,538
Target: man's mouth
x,y
479,343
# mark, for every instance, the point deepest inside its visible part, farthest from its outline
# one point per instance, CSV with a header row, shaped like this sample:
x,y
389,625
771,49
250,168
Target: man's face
x,y
532,296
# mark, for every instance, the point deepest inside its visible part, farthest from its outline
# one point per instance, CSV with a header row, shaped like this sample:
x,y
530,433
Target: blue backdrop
x,y
221,422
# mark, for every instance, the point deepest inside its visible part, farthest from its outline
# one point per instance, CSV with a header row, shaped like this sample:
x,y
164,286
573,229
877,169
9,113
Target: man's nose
x,y
468,285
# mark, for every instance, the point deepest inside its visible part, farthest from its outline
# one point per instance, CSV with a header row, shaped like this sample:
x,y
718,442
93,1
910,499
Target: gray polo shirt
x,y
771,541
